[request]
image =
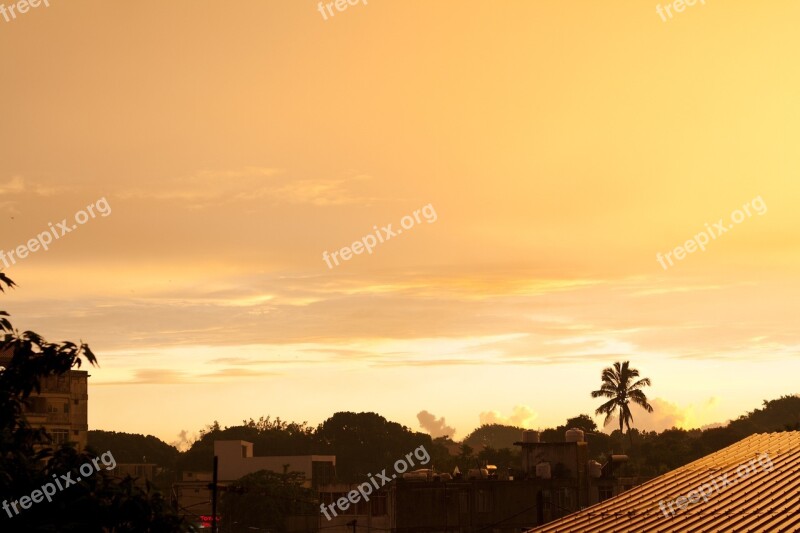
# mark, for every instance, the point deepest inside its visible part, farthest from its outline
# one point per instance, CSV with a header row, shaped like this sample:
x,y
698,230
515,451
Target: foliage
x,y
366,443
583,422
269,437
262,501
495,436
349,437
502,458
136,448
99,502
362,442
656,453
618,385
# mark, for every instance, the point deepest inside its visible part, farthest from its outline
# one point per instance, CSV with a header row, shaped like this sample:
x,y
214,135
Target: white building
x,y
236,460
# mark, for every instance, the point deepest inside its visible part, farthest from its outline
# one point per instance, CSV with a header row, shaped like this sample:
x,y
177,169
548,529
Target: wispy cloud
x,y
320,192
204,186
209,188
14,186
403,321
18,185
166,376
149,376
238,373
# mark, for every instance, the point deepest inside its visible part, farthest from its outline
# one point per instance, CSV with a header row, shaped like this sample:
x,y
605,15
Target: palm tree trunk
x,y
622,442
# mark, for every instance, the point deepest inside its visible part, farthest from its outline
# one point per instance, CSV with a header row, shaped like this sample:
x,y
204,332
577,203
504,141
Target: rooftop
x,y
753,486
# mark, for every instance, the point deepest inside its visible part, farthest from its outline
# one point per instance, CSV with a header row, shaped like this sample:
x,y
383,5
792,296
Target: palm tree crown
x,y
618,386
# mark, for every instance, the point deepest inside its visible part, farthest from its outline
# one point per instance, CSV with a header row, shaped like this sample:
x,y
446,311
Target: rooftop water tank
x,y
530,435
543,470
574,435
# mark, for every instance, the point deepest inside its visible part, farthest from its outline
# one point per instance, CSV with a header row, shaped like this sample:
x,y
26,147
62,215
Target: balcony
x,y
57,384
57,418
36,418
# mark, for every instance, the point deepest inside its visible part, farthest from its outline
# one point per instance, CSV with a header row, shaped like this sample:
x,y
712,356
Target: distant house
x,y
557,478
141,472
61,407
236,460
752,486
192,494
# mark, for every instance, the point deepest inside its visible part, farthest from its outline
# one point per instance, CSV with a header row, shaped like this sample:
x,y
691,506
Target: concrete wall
x,y
500,506
236,460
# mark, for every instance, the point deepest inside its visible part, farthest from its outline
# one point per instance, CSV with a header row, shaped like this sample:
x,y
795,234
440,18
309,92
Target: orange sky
x,y
562,145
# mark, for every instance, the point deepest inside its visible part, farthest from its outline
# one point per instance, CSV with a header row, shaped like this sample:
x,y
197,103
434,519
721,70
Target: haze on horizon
x,y
562,148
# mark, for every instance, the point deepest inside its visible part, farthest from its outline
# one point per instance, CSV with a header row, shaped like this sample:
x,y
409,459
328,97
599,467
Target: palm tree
x,y
618,386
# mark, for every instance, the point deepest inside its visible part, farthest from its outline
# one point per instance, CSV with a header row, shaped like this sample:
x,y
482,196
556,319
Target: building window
x,y
482,501
66,407
379,504
322,473
60,436
55,384
463,502
604,493
325,497
75,432
563,497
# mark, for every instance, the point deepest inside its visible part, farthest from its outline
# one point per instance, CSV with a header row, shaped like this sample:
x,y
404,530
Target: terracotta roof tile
x,y
751,486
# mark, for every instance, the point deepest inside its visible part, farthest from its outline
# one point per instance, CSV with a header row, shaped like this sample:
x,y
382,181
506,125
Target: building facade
x,y
61,407
142,473
557,479
235,459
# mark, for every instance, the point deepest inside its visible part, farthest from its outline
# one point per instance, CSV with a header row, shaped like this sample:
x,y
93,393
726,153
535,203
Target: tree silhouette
x,y
618,385
99,502
262,501
366,443
583,422
496,436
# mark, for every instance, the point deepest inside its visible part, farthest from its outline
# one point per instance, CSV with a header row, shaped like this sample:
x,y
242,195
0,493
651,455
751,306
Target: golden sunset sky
x,y
562,145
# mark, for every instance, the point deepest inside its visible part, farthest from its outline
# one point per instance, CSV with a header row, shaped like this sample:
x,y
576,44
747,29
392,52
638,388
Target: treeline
x,y
33,464
364,443
655,453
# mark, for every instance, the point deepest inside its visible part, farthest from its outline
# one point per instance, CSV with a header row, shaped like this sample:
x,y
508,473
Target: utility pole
x,y
214,497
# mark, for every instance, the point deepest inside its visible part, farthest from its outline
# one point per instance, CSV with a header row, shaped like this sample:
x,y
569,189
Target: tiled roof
x,y
764,496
